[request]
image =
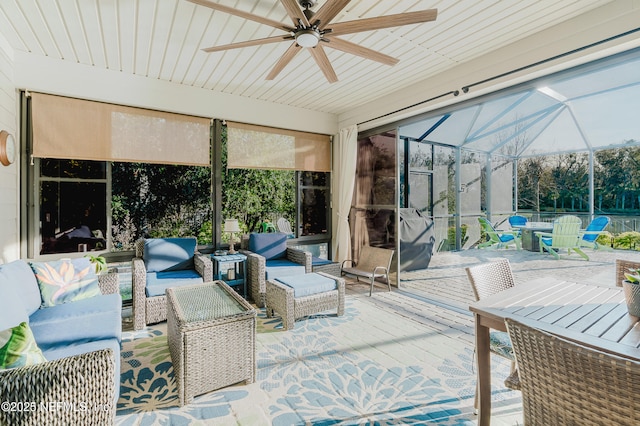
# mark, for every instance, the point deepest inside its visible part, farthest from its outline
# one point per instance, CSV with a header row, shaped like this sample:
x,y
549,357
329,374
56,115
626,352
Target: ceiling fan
x,y
314,31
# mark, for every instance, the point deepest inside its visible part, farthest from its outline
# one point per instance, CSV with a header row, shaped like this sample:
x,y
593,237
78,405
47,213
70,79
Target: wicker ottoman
x,y
212,338
316,292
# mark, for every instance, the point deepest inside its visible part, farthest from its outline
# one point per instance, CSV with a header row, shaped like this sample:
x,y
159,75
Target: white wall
x,y
9,175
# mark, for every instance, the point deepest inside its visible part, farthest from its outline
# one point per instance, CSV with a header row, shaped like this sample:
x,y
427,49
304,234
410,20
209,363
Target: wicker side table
x,y
212,338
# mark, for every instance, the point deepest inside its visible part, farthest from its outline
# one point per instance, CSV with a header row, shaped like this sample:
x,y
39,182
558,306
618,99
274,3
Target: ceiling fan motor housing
x,y
307,4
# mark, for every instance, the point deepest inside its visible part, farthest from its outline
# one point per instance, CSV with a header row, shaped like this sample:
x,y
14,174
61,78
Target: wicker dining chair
x,y
623,266
565,383
487,279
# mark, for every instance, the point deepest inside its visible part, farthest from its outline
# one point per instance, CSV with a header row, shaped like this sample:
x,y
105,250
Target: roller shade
x,y
69,128
259,147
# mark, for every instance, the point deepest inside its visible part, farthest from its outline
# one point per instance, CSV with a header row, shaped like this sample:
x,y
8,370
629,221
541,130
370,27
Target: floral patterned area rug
x,y
369,366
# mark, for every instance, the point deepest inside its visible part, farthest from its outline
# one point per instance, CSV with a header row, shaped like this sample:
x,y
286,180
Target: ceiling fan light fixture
x,y
307,38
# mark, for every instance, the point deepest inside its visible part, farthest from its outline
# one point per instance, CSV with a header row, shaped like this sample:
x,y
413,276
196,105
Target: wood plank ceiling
x,y
162,39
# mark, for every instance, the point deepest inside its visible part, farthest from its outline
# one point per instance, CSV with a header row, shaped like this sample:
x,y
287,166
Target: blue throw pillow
x,y
271,245
12,309
19,275
169,254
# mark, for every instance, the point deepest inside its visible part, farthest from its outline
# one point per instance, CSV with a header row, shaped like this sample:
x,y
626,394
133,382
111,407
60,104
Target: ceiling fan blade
x,y
322,60
294,12
356,49
242,14
370,24
329,11
248,43
291,52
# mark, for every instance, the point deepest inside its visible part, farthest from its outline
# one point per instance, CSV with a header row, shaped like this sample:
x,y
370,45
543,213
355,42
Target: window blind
x,y
69,128
260,147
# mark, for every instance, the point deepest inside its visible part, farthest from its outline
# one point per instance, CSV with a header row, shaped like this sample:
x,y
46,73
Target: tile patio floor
x,y
424,325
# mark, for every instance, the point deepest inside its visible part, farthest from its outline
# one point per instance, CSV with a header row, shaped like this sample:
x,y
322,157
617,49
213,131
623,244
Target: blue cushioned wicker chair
x,y
161,263
269,257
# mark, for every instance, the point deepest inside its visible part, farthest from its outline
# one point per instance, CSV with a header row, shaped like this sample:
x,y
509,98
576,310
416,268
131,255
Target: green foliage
x,y
560,182
633,275
450,242
205,235
605,238
251,195
99,262
627,240
152,200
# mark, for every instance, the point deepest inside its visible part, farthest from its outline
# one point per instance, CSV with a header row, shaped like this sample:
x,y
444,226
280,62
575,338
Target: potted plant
x,y
99,262
631,287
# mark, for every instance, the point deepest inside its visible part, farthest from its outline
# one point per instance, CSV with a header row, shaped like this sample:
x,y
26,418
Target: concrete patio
x,y
445,281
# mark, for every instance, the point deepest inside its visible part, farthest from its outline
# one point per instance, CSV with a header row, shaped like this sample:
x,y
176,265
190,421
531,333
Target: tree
x,y
253,195
618,177
533,181
156,200
570,175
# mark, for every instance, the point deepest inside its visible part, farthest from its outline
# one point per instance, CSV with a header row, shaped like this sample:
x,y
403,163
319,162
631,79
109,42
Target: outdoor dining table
x,y
592,315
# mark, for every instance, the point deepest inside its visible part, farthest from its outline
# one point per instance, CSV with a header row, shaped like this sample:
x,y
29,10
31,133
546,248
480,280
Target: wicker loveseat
x,y
161,263
68,371
268,257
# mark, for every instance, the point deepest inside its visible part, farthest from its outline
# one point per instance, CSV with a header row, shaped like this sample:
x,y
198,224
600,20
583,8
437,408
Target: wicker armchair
x,y
565,383
109,283
623,266
153,309
488,279
261,262
83,385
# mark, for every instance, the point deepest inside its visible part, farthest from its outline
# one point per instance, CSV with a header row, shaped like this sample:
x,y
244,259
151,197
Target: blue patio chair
x,y
593,230
498,238
517,221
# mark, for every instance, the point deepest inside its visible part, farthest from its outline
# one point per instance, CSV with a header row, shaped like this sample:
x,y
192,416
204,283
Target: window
x,y
101,181
144,200
73,200
271,173
314,203
157,200
374,201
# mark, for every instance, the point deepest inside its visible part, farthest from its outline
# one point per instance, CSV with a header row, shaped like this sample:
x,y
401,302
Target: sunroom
x,y
487,89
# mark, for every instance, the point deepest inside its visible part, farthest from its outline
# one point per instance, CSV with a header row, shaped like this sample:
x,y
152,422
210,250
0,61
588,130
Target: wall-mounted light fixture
x,y
7,148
